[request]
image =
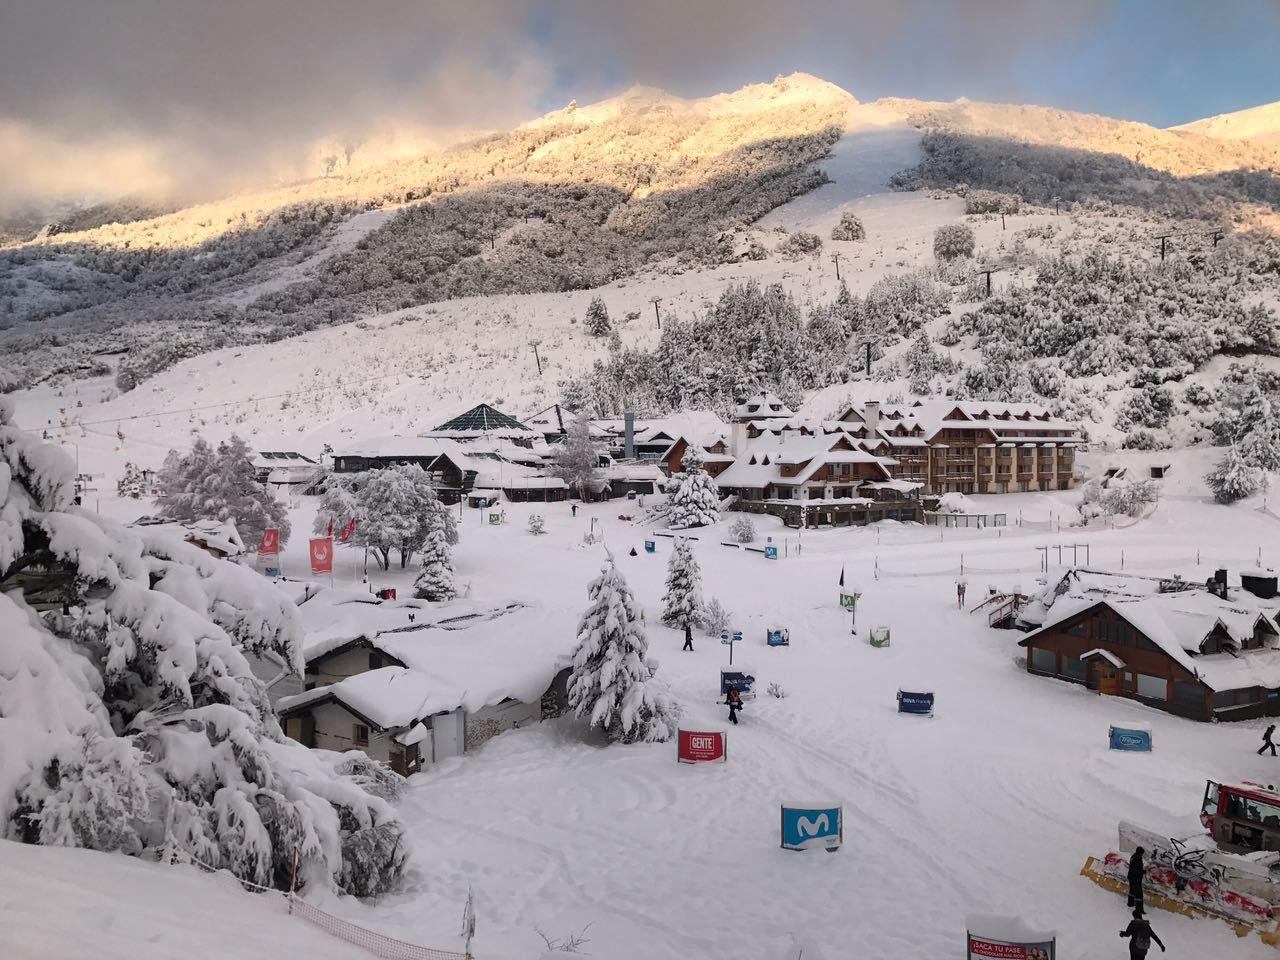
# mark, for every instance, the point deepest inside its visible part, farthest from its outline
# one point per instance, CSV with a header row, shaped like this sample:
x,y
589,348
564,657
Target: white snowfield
x,y
61,904
990,807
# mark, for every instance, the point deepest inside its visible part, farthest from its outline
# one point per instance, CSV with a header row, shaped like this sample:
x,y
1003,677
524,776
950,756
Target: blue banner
x,y
740,680
1128,738
650,547
771,552
915,702
812,825
778,638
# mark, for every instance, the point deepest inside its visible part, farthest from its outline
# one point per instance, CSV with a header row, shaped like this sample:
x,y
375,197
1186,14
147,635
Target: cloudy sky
x,y
103,96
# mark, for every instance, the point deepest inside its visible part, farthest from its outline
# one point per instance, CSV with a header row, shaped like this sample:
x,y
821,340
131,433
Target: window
x,y
376,661
1187,693
1044,661
1073,667
1079,629
360,735
1236,698
1154,688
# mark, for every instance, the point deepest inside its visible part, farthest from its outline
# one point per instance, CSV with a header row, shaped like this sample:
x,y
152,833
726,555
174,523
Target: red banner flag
x,y
270,542
349,530
322,555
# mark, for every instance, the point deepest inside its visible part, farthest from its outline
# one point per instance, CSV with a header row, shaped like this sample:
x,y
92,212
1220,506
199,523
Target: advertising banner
x,y
700,746
270,543
981,948
321,555
879,637
848,600
807,825
1130,738
650,547
778,637
770,552
495,518
921,703
991,937
741,680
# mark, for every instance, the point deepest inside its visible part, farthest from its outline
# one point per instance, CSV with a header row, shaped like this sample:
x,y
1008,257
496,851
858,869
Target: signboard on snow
x,y
807,825
743,680
848,600
778,637
770,550
650,546
701,746
1134,739
919,703
495,518
321,555
1001,938
879,637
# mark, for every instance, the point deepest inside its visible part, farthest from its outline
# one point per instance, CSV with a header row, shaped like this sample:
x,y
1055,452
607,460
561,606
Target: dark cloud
x,y
200,95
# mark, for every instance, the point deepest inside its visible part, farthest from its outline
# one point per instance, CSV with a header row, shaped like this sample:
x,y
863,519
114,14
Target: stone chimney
x,y
871,417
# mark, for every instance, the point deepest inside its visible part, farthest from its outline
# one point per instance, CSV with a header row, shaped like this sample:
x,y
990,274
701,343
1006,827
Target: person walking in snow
x,y
960,594
1137,870
1139,934
734,700
1266,741
573,508
688,639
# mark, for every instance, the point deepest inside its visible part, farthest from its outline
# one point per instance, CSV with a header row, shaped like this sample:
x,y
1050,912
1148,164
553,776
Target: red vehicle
x,y
1242,817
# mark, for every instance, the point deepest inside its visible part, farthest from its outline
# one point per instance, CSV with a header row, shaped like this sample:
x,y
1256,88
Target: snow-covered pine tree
x,y
1233,478
696,500
148,719
743,529
682,604
220,484
609,683
577,459
435,581
716,617
596,322
1260,446
537,524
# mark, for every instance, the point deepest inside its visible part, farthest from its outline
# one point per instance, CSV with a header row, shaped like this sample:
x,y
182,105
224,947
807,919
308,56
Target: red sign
x,y
696,746
349,530
270,542
322,555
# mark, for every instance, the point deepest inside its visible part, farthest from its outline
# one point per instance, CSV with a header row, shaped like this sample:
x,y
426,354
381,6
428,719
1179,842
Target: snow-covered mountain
x,y
1260,125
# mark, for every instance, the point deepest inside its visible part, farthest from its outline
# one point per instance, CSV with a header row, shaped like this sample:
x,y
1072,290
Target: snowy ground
x,y
992,806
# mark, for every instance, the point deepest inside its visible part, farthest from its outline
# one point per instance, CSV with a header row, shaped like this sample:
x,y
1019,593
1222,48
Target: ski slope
x,y
991,806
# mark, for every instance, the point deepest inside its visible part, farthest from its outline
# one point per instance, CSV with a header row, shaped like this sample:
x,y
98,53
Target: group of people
x,y
1138,932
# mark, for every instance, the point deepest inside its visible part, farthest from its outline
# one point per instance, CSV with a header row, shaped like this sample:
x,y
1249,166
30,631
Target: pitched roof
x,y
480,419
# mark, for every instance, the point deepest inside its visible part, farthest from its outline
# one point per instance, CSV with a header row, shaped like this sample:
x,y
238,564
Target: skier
x,y
1266,741
688,639
1137,870
734,700
960,594
573,508
1140,935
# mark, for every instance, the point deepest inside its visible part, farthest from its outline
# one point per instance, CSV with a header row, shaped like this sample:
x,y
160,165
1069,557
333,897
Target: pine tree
x,y
596,322
1261,444
148,713
220,484
537,525
696,500
682,605
716,617
435,582
577,459
609,684
1233,478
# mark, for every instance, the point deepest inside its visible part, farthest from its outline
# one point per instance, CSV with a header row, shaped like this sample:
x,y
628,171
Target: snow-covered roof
x,y
1179,623
270,459
761,461
1107,655
220,535
402,447
390,698
468,654
937,413
762,405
